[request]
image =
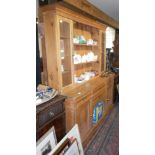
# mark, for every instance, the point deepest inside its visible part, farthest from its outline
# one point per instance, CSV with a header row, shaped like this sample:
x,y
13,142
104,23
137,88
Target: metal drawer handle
x,y
51,114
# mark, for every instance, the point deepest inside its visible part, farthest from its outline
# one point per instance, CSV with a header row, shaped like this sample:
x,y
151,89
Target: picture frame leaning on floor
x,y
46,143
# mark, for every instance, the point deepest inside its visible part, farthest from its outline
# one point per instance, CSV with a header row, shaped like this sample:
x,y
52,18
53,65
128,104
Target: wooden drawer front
x,y
50,113
99,87
100,92
83,99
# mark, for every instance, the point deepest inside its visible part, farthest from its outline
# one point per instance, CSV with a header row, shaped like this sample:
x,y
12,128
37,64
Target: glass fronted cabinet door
x,y
65,33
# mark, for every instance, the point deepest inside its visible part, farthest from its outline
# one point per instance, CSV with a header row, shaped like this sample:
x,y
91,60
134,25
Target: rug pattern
x,y
106,139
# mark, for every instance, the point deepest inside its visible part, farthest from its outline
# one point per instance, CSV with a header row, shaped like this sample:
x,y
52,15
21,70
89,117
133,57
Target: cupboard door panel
x,y
82,118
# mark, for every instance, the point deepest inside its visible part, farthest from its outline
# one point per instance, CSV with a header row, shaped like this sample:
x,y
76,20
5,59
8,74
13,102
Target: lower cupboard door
x,y
82,118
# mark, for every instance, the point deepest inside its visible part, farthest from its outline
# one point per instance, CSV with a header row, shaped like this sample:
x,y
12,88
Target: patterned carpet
x,y
106,139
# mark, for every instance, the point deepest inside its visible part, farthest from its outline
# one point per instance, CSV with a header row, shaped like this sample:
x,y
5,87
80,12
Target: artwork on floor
x,y
73,149
68,147
46,143
70,144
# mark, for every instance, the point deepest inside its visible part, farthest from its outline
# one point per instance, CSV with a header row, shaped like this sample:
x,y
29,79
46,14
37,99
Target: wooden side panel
x,y
100,51
51,49
45,79
110,89
70,113
103,53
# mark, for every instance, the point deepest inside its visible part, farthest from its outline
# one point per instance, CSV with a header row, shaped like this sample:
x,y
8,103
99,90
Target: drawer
x,y
84,96
98,88
50,113
84,99
101,91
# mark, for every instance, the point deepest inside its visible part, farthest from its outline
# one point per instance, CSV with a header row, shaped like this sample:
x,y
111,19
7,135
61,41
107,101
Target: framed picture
x,y
73,149
64,147
46,143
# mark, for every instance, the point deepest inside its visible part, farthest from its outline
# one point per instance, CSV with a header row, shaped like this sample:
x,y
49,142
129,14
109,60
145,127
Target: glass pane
x,y
65,53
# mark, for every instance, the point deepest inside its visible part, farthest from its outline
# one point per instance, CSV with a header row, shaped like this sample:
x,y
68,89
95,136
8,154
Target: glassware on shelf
x,y
82,41
94,42
90,57
77,59
76,40
84,58
84,76
90,42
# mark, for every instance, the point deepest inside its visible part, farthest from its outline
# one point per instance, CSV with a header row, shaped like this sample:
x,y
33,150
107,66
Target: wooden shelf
x,y
87,62
84,45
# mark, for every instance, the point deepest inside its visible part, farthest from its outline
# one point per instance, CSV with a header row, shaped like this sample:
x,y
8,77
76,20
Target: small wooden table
x,y
51,113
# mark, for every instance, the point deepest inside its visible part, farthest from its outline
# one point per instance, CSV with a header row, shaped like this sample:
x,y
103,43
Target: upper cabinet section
x,y
74,47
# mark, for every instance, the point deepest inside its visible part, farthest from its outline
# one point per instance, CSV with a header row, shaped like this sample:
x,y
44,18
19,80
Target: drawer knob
x,y
51,114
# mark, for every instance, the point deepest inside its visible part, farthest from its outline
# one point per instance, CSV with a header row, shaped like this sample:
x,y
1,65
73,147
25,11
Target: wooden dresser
x,y
74,52
51,113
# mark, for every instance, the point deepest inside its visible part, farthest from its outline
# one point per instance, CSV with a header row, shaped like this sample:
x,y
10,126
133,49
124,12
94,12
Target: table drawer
x,y
50,113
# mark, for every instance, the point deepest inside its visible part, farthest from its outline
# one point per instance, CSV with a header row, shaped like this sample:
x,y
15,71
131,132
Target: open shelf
x,y
85,33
